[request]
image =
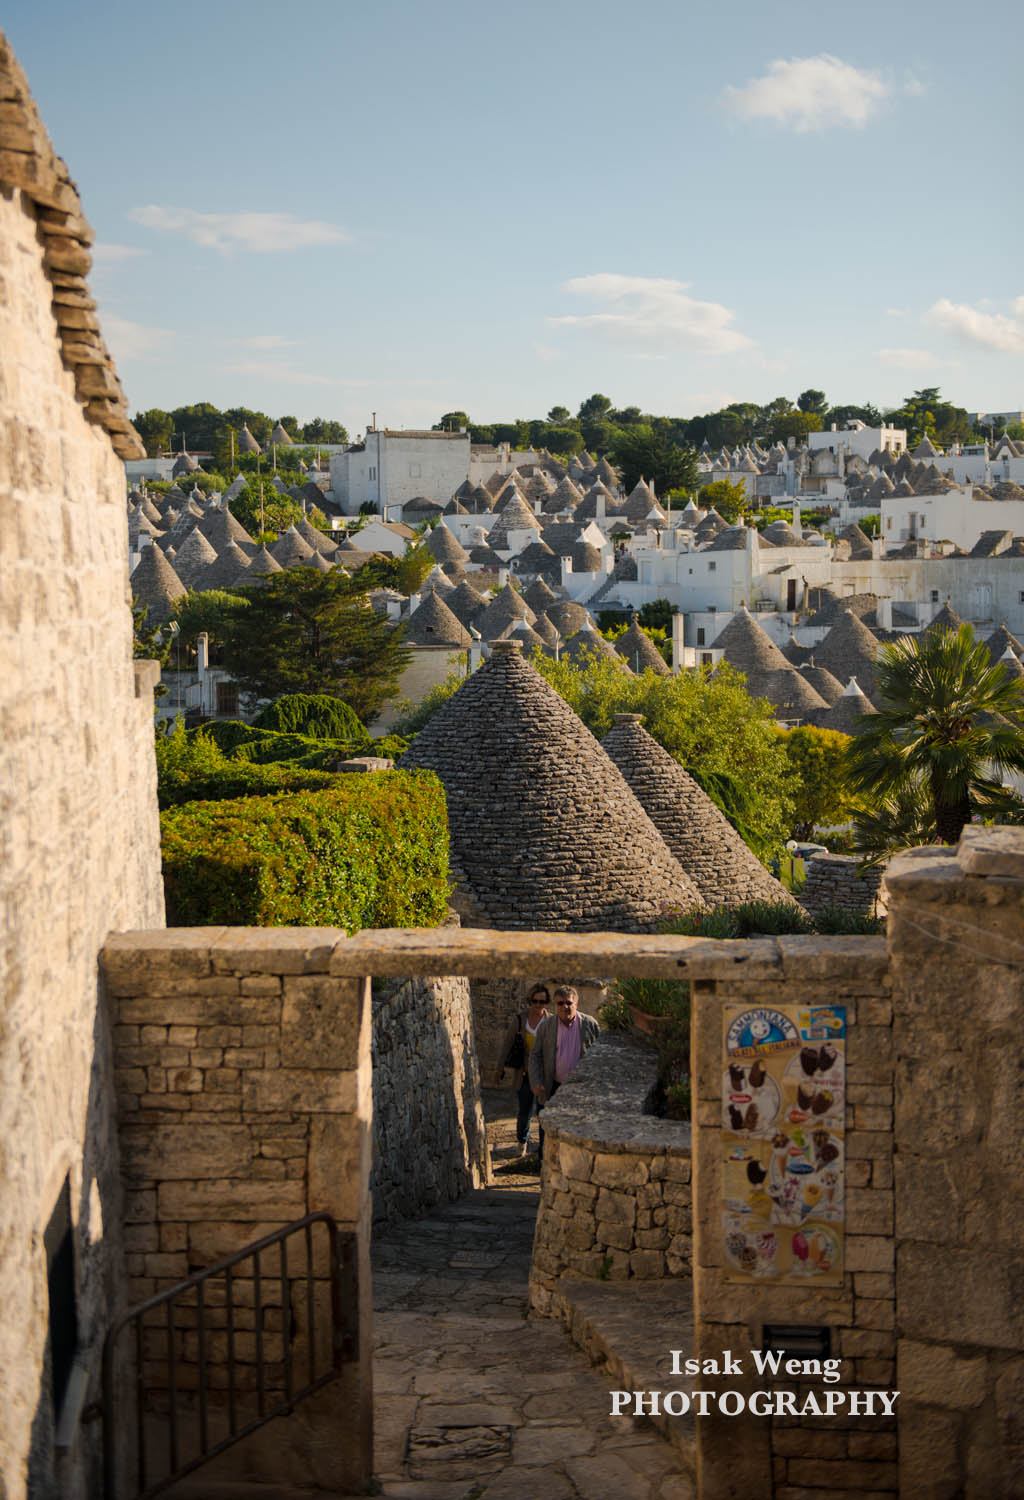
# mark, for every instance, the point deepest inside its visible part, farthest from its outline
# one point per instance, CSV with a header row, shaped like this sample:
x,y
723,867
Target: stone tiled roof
x,y
860,542
861,605
992,544
516,516
747,647
545,832
229,569
193,557
504,609
567,616
156,585
539,595
565,496
319,540
433,624
946,619
1001,640
262,563
246,442
291,549
729,539
465,602
822,681
28,163
640,653
585,558
849,650
704,842
587,643
849,708
220,527
281,436
445,547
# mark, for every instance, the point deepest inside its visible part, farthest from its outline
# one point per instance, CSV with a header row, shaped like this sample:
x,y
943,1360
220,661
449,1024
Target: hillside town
x,y
512,981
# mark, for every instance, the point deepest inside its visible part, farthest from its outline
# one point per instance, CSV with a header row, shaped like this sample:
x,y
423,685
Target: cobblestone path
x,y
472,1399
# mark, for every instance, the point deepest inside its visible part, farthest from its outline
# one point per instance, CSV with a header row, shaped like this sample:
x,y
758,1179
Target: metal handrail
x,y
344,1348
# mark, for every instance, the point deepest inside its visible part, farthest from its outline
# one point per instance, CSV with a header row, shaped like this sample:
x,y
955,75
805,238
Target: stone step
x,y
631,1327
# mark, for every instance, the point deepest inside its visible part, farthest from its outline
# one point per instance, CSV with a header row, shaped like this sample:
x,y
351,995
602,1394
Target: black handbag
x,y
517,1052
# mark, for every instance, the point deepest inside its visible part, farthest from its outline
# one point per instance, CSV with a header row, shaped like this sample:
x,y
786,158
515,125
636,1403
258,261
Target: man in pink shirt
x,y
561,1041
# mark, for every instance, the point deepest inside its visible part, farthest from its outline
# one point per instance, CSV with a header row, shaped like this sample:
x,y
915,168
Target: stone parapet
x,y
615,1187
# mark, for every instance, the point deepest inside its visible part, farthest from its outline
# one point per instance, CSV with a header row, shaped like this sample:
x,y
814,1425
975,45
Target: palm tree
x,y
949,724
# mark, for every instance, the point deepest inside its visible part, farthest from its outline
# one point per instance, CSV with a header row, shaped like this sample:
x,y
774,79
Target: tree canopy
x,y
309,632
204,428
949,725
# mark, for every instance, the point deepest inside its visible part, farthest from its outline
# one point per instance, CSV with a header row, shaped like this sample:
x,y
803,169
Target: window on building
x,y
227,699
888,523
923,520
712,566
706,659
373,472
935,596
58,1242
700,635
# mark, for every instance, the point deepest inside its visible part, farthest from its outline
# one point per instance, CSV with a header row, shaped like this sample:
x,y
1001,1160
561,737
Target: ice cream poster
x,y
783,1116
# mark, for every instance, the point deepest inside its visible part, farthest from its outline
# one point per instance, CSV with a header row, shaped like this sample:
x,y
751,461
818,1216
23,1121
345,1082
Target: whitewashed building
x,y
389,468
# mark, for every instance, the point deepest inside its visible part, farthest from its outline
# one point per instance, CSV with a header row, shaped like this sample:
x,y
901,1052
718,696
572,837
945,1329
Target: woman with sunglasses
x,y
516,1047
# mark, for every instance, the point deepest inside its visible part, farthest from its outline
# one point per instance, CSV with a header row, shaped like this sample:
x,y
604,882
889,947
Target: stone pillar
x,y
956,937
244,1103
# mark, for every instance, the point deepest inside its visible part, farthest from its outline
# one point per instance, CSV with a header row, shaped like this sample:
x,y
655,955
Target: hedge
x,y
240,778
370,851
314,714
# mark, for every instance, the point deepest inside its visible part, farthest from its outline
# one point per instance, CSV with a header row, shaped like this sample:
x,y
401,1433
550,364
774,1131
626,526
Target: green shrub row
x,y
772,918
368,851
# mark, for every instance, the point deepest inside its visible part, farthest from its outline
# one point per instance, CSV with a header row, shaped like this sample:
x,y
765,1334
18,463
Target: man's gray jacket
x,y
542,1055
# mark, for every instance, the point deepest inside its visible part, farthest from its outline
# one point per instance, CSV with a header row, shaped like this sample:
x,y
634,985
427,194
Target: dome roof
x,y
433,624
639,652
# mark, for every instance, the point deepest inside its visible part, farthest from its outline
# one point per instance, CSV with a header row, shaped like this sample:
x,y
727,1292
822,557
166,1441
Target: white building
x,y
955,517
392,467
857,438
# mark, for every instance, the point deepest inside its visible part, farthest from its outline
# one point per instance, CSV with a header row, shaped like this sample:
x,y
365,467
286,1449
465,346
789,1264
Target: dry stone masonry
x,y
429,1138
836,880
615,1193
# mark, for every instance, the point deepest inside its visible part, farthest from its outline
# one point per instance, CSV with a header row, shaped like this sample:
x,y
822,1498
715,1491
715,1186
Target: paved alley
x,y
472,1398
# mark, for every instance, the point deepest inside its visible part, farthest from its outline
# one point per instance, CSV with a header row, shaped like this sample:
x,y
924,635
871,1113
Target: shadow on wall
x,y
82,1250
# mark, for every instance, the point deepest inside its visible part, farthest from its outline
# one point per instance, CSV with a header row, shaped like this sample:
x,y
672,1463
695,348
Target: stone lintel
x,y
483,953
275,950
129,960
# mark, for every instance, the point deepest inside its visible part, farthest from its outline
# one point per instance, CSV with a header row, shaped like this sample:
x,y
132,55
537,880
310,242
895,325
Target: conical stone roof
x,y
567,617
587,644
516,516
504,609
193,557
545,832
539,595
747,647
246,442
433,624
281,435
229,570
290,549
465,603
220,527
824,684
156,585
1000,641
946,619
849,650
640,653
318,540
263,563
847,711
723,868
445,547
547,632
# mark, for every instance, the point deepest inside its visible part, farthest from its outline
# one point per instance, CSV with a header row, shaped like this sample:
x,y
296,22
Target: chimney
x,y
202,654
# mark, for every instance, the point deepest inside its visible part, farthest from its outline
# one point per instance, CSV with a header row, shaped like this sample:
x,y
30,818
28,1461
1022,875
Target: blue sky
x,y
408,208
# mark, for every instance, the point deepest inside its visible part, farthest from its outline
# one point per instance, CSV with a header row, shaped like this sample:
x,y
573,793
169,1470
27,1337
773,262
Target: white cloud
x,y
988,330
810,93
106,253
260,232
910,359
653,312
128,340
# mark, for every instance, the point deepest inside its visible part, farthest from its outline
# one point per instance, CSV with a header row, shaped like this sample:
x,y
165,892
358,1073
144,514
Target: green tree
x,y
868,414
640,452
595,408
817,759
320,430
412,569
291,426
561,416
212,611
728,496
791,423
154,428
452,421
561,439
947,721
272,512
812,401
308,632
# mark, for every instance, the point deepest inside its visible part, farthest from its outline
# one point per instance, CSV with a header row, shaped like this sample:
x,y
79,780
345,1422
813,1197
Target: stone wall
x,y
956,935
615,1189
429,1138
833,880
804,1458
78,803
244,1101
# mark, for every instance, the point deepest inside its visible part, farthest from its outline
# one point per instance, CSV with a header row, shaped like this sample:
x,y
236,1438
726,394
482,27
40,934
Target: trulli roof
x,y
545,832
433,624
704,842
156,585
639,652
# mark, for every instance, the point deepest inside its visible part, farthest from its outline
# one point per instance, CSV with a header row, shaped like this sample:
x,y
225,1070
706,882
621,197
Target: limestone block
x,y
929,1452
618,1171
232,1198
614,1235
992,851
1010,1417
175,1153
616,1208
961,1315
647,1264
280,950
299,1090
868,1211
320,1021
574,1162
939,1376
337,1148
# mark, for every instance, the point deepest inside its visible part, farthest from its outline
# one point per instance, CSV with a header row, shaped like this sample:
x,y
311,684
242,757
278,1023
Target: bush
x,y
314,714
369,851
772,919
836,921
243,742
